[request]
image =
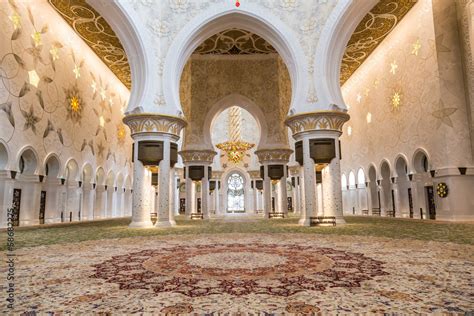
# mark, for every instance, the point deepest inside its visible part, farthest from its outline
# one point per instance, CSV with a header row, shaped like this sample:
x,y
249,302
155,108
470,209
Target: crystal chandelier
x,y
235,148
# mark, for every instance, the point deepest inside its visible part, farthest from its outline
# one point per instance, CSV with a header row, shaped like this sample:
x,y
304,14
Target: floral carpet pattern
x,y
239,269
241,273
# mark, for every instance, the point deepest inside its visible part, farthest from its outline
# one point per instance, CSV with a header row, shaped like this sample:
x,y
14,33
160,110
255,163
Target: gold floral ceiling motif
x,y
235,42
371,31
97,33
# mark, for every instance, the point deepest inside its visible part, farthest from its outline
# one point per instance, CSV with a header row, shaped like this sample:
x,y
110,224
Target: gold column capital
x,y
141,123
317,121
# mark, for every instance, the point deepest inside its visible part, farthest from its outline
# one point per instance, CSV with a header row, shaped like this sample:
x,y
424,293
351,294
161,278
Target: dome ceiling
x,y
98,34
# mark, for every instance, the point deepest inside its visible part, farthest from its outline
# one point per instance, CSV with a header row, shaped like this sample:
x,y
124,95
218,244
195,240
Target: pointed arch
x,y
252,18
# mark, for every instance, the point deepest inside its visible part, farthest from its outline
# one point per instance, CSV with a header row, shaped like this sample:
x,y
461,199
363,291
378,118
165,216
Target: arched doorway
x,y
235,193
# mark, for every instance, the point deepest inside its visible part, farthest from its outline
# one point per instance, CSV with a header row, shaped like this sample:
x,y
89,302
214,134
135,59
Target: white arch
x,y
352,179
135,39
381,169
99,176
227,102
87,173
35,156
71,170
4,155
344,182
404,158
415,161
361,177
225,177
332,43
250,17
46,162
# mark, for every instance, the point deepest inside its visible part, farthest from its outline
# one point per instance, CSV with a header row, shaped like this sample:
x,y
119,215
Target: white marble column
x,y
334,190
267,192
140,213
283,192
6,196
383,207
309,185
205,193
255,195
164,175
173,194
216,198
189,194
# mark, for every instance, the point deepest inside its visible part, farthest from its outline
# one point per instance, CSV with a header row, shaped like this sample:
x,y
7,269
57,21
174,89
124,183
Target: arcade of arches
x,y
200,111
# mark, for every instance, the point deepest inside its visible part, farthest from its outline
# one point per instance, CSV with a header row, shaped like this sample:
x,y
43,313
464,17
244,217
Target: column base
x,y
144,224
304,222
163,224
340,221
52,220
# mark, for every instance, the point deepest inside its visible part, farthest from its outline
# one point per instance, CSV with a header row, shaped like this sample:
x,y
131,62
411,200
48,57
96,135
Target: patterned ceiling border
x,y
97,33
371,31
235,42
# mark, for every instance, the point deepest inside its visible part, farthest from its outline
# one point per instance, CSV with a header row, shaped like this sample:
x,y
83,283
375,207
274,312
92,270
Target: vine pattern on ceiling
x,y
371,31
97,33
235,42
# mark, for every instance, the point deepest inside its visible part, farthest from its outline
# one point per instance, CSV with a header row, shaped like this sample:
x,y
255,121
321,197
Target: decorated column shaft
x,y
157,132
197,163
269,158
317,135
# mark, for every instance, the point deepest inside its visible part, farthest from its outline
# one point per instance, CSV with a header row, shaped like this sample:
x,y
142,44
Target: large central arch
x,y
221,17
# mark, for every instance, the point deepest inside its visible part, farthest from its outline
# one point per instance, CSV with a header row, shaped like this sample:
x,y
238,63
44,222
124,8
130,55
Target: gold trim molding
x,y
254,174
196,156
294,170
154,123
274,155
97,33
317,121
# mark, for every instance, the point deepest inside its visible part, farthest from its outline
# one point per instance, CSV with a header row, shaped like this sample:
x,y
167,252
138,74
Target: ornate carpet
x,y
259,274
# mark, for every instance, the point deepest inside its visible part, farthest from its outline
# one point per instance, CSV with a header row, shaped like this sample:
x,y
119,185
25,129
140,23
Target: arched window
x,y
344,182
235,193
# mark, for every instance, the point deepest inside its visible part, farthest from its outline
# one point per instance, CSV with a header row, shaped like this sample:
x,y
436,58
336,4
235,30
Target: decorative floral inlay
x,y
74,105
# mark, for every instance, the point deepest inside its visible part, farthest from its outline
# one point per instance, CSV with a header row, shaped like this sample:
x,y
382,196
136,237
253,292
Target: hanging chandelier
x,y
235,148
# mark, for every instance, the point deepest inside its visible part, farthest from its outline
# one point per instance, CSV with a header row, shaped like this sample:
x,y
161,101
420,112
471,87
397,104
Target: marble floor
x,y
245,273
